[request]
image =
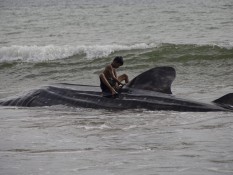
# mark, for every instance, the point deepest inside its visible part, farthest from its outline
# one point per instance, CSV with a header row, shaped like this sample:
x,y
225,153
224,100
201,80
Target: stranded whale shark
x,y
150,90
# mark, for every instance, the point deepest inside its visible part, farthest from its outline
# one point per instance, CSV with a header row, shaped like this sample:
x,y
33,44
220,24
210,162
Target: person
x,y
110,83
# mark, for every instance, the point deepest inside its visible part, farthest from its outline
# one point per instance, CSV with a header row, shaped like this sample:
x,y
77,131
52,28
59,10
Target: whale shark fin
x,y
226,100
157,79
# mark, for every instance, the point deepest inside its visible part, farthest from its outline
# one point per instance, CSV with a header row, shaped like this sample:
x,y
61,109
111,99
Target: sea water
x,y
44,42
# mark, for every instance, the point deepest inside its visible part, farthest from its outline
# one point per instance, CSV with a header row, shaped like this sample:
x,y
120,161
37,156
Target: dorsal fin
x,y
157,79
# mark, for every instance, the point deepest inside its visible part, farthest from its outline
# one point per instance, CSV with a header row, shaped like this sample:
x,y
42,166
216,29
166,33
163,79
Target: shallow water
x,y
85,141
104,22
45,42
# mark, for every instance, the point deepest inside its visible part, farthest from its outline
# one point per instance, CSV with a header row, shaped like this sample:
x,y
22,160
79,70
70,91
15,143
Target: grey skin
x,y
150,90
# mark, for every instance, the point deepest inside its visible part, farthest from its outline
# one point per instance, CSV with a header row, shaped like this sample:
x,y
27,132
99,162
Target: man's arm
x,y
113,74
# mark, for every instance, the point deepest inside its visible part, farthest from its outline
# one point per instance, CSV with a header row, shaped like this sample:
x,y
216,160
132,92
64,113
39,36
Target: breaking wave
x,y
52,52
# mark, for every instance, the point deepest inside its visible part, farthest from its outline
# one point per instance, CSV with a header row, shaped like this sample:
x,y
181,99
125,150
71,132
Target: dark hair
x,y
119,59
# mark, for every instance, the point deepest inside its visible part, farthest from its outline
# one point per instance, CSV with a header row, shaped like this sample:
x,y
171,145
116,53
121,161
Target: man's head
x,y
117,62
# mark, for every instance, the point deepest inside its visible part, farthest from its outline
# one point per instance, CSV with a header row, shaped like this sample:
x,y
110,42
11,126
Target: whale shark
x,y
149,90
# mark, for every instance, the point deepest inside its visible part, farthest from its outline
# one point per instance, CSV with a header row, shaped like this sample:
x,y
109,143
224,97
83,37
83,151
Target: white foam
x,y
35,53
51,52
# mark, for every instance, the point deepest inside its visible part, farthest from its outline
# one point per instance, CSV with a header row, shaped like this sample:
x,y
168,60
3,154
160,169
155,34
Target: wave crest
x,y
51,52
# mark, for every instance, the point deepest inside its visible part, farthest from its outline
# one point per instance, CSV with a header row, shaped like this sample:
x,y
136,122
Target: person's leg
x,y
107,87
123,77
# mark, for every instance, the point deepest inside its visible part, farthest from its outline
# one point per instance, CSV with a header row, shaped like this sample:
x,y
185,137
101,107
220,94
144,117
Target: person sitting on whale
x,y
110,83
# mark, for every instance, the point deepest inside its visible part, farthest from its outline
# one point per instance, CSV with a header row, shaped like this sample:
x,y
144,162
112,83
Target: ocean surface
x,y
52,41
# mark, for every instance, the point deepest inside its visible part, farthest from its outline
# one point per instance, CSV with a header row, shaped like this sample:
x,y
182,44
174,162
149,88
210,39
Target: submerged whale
x,y
150,90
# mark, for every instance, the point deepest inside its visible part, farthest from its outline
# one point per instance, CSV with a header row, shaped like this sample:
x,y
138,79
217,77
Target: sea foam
x,y
52,52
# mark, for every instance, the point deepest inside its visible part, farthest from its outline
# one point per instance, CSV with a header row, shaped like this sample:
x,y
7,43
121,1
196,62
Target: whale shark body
x,y
150,90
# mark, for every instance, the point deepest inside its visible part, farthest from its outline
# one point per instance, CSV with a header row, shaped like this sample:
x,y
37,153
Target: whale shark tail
x,y
225,101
